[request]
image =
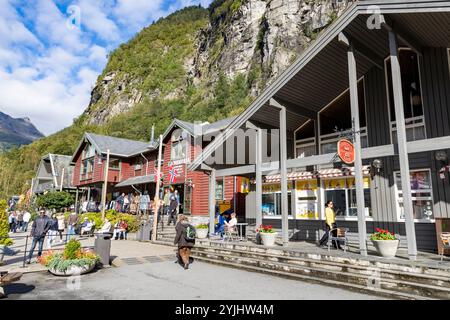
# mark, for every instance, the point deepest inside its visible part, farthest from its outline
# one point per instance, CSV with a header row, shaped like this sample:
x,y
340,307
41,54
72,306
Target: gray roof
x,y
320,74
117,146
137,181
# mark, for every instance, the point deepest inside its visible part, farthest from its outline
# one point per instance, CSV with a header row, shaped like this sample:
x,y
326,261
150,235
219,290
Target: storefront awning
x,y
137,181
324,173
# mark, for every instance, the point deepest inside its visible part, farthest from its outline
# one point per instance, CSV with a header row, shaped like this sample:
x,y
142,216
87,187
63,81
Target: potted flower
x,y
385,242
4,229
73,261
267,235
202,231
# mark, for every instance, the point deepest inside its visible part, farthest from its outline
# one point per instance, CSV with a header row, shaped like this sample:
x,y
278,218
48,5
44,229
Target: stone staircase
x,y
165,233
383,278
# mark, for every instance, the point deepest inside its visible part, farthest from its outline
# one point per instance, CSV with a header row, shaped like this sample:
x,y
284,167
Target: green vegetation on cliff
x,y
153,61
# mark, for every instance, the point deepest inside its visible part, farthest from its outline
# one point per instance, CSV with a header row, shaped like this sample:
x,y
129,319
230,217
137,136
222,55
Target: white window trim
x,y
397,201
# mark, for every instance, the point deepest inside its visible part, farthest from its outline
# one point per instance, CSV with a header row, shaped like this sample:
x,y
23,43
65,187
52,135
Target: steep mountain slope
x,y
196,65
16,131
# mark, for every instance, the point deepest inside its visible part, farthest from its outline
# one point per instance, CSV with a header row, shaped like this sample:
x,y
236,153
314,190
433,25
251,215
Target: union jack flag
x,y
173,174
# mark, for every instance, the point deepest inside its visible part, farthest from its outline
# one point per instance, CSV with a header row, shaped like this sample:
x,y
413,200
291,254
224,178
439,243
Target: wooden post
x,y
212,201
105,185
284,180
158,185
402,150
258,207
359,179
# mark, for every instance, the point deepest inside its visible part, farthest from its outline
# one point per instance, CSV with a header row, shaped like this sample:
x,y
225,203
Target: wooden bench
x,y
7,279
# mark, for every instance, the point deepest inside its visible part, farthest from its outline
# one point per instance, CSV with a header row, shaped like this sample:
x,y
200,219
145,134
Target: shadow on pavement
x,y
18,288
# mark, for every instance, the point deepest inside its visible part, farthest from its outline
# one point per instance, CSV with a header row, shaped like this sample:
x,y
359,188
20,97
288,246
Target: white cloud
x,y
47,69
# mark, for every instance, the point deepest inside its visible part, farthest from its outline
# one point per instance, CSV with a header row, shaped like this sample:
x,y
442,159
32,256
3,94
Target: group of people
x,y
225,222
133,203
18,221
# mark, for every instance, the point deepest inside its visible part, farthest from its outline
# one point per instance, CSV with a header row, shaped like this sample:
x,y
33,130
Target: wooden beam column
x,y
212,201
284,180
258,172
359,180
402,146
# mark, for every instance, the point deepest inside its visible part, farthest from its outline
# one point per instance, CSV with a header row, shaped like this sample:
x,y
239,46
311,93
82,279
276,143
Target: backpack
x,y
190,233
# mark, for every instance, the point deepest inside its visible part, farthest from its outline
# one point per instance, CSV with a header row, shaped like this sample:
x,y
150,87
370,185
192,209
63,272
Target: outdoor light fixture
x,y
441,155
375,168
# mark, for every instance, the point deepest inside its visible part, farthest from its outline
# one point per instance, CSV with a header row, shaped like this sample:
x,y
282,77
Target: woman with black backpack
x,y
185,239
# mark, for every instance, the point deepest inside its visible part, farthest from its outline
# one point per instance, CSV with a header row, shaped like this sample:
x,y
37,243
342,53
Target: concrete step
x,y
310,279
403,281
355,275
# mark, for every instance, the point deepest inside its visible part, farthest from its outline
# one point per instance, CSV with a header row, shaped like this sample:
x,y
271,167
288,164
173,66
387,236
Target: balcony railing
x,y
415,129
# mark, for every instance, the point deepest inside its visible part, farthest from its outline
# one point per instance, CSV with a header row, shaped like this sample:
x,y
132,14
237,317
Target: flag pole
x,y
158,182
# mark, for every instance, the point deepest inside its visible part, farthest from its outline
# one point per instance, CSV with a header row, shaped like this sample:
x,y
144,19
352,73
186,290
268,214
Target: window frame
x,y
397,198
388,90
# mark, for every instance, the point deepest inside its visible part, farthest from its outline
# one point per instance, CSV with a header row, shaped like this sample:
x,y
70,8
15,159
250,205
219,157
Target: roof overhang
x,y
135,181
320,74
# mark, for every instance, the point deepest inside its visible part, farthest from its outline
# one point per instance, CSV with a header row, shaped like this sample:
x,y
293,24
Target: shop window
x,y
271,204
412,96
422,195
343,194
220,191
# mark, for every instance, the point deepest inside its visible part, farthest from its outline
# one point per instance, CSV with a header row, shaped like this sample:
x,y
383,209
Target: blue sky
x,y
51,52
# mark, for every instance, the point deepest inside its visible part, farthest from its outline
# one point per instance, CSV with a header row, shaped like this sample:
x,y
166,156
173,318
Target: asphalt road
x,y
168,281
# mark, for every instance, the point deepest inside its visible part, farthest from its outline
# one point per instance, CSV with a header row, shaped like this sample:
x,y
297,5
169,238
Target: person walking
x,y
11,221
38,231
173,208
71,225
126,203
185,244
166,201
19,220
52,232
61,226
26,220
330,222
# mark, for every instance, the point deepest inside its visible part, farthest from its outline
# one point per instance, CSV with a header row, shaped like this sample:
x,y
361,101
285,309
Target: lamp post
x,y
105,185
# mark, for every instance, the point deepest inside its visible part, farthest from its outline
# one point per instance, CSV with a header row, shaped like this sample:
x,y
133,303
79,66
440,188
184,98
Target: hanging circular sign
x,y
346,151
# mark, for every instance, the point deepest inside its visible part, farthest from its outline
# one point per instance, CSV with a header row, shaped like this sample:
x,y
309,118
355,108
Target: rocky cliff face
x,y
16,132
255,38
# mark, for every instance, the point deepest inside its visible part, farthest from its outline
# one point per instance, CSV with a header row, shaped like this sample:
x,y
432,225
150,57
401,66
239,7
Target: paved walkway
x,y
165,280
121,251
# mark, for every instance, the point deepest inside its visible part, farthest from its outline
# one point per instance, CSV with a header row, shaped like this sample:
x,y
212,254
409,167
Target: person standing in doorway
x,y
38,231
330,222
185,245
173,208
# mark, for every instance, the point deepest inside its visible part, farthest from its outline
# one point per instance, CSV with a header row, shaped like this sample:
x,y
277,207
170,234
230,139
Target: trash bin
x,y
102,247
145,231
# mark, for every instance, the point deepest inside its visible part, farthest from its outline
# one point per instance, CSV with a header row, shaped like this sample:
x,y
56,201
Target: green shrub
x,y
202,226
55,200
4,225
113,217
71,250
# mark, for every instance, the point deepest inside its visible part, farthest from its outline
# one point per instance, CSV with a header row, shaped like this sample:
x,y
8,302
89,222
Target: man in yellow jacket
x,y
330,221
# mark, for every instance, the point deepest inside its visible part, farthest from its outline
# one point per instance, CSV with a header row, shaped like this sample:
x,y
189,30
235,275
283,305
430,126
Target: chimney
x,y
153,134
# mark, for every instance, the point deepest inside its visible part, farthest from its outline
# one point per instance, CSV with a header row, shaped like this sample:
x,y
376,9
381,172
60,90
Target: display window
x,y
271,199
343,194
421,194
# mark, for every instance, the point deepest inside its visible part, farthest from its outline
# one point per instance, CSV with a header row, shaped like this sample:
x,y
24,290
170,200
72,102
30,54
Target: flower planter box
x,y
73,270
202,233
386,248
268,239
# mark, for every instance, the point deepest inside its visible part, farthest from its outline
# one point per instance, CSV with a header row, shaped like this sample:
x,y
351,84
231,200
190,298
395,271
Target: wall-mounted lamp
x,y
375,167
441,156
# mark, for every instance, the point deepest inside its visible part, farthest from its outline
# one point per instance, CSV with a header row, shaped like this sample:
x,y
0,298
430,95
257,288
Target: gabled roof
x,y
320,73
118,147
206,127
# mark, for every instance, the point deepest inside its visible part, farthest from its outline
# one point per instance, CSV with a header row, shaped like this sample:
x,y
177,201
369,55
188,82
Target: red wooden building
x,y
133,168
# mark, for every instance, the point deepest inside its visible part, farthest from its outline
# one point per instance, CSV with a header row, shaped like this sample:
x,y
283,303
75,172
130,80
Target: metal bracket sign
x,y
346,151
